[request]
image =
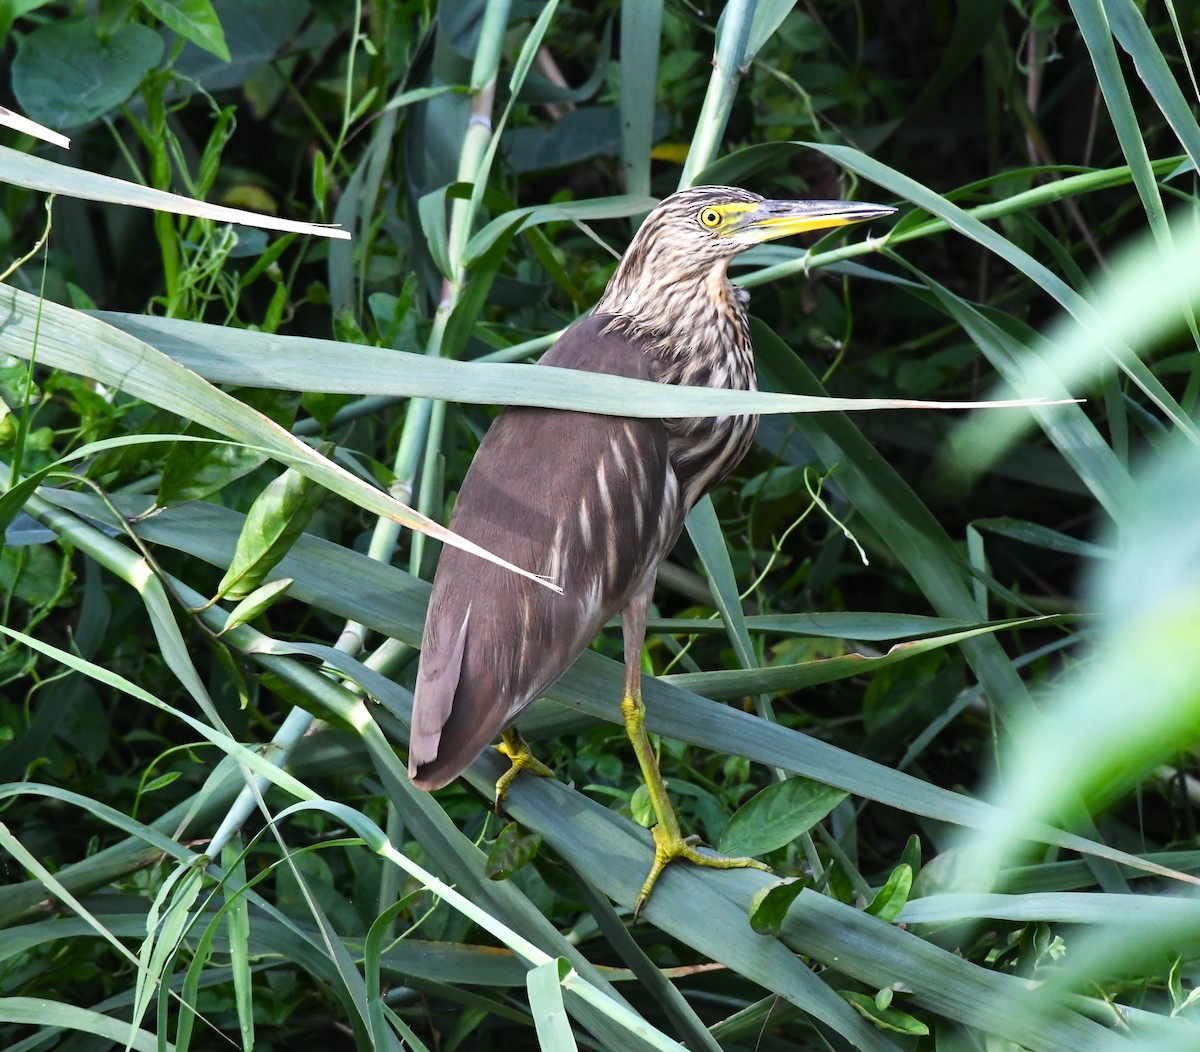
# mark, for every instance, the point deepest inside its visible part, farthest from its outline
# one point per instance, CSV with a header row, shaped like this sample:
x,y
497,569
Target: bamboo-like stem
x,y
417,434
722,88
639,51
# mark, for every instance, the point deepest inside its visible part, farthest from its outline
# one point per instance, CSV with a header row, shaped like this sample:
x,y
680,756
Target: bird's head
x,y
707,223
675,270
683,248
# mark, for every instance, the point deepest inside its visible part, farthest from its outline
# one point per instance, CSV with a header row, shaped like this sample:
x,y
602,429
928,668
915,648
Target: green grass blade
x,y
1070,300
70,340
37,173
54,1015
546,1004
238,356
641,32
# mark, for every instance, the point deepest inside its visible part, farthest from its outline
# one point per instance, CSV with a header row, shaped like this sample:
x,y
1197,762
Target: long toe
x,y
521,759
667,849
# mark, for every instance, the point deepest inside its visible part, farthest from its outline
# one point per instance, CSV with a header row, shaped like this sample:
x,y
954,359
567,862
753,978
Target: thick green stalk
x,y
428,421
641,38
160,177
417,432
722,87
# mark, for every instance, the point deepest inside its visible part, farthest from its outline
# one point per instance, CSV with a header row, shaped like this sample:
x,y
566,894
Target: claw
x,y
513,746
668,848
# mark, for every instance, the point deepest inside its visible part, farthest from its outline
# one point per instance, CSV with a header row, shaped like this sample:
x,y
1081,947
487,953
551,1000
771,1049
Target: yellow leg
x,y
513,746
669,842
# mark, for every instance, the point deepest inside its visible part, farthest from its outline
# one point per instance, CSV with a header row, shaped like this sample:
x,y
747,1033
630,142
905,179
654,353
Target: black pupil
x,y
710,217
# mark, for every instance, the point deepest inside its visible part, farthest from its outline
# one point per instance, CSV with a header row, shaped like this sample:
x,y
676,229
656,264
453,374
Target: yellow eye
x,y
710,218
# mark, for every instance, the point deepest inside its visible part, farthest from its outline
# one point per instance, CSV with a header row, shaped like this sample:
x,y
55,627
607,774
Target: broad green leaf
x,y
37,173
387,599
579,136
546,1003
641,31
1039,536
878,954
778,814
768,17
733,683
1130,912
302,363
70,340
835,624
66,73
39,1011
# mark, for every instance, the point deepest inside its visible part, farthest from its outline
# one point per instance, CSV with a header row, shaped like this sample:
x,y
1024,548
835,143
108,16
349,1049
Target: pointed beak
x,y
775,219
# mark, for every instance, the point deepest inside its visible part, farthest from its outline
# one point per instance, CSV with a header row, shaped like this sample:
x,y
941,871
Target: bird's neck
x,y
680,319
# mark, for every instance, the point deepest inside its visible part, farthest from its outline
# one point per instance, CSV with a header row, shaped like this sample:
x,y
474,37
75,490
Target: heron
x,y
596,502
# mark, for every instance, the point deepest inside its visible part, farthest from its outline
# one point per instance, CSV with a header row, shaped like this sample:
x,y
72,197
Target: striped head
x,y
685,245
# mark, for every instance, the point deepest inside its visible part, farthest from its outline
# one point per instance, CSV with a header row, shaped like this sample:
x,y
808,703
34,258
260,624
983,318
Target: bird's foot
x,y
513,746
668,848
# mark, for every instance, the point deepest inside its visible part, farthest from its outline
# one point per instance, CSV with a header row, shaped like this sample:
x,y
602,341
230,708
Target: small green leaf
x,y
642,809
887,1018
1047,945
277,517
890,899
512,850
777,815
911,856
320,178
161,782
769,905
195,470
194,20
256,602
883,998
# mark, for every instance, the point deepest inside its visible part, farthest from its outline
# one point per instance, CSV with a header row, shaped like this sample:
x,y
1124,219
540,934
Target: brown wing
x,y
580,497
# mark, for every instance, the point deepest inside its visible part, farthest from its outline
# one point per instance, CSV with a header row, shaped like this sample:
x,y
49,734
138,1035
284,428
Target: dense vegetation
x,y
944,667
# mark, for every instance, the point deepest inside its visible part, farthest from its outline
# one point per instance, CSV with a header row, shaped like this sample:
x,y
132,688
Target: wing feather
x,y
579,494
438,682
